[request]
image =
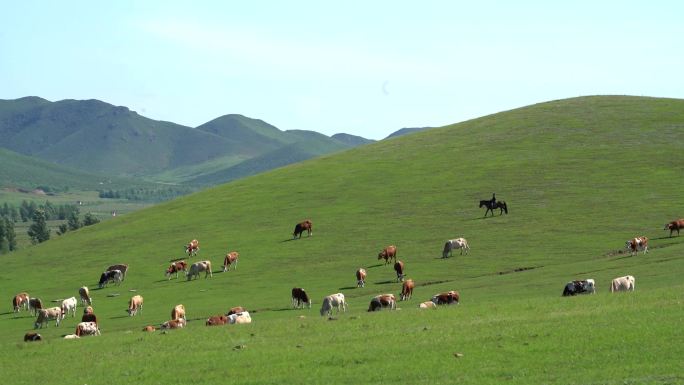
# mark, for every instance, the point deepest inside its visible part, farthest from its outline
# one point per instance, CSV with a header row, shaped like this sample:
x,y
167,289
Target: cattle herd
x,y
300,299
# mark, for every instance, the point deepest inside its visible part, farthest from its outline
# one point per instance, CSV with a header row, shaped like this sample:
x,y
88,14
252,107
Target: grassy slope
x,y
580,176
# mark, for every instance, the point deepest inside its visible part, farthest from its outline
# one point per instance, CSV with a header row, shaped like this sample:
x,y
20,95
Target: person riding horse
x,y
493,200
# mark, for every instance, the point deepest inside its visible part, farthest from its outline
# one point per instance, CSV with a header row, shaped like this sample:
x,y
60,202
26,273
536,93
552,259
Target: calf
x,y
625,283
87,329
178,312
69,306
407,289
84,293
217,320
333,301
675,226
198,267
399,268
360,277
45,315
240,318
383,301
449,298
20,300
32,337
174,324
300,298
135,305
637,244
230,259
388,253
34,305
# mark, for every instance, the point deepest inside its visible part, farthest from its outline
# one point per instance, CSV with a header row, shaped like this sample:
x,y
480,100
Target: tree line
x,y
26,210
146,195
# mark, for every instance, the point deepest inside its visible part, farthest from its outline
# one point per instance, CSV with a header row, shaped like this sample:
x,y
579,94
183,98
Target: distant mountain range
x,y
99,138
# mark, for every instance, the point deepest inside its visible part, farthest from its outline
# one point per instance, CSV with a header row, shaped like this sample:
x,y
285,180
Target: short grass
x,y
580,176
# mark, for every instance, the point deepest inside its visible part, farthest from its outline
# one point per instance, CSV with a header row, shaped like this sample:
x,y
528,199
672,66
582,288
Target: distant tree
x,y
4,246
90,219
39,231
10,235
73,222
62,229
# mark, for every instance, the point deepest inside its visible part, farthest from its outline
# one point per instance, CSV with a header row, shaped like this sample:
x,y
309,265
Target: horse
x,y
300,227
493,206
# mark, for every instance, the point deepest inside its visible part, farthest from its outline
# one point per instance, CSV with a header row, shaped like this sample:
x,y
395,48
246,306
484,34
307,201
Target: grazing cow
x,y
34,305
427,305
45,315
84,293
217,320
587,286
399,268
135,305
360,277
637,244
300,227
20,300
625,283
69,306
178,312
115,276
176,267
449,298
383,301
123,268
458,243
87,329
32,337
192,248
240,318
300,298
236,310
230,259
149,328
174,324
388,253
198,267
675,225
407,289
333,301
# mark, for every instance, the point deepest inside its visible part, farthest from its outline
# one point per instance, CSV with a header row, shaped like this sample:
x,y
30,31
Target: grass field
x,y
580,177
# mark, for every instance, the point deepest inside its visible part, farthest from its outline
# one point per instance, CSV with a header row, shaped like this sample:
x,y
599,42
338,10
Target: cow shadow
x,y
377,265
348,288
120,317
288,240
177,259
384,282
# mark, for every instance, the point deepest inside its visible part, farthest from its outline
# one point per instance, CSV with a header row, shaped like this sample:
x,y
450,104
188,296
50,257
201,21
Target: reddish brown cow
x,y
388,253
300,227
636,244
175,268
675,226
361,277
217,320
174,324
407,289
149,328
230,259
20,300
192,248
399,268
448,298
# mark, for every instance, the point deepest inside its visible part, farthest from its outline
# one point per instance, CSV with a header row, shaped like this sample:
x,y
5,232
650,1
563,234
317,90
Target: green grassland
x,y
580,177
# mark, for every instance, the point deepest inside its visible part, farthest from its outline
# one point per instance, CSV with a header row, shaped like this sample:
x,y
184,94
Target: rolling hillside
x,y
580,176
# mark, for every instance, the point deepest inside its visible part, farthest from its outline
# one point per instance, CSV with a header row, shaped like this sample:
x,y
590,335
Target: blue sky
x,y
365,68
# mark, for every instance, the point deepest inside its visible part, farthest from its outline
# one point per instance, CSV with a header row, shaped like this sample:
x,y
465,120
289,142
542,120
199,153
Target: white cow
x,y
45,315
458,243
69,306
333,301
625,283
135,305
240,318
198,267
427,305
87,329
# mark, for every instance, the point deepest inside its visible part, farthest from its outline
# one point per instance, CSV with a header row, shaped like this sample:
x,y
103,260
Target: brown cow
x,y
175,268
174,324
636,244
361,277
383,301
300,227
675,225
216,320
235,310
407,289
230,259
448,298
178,312
20,300
149,328
399,268
34,305
32,337
388,253
192,248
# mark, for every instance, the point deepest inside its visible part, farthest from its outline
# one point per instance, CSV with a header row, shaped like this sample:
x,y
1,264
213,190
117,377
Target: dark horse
x,y
301,227
493,206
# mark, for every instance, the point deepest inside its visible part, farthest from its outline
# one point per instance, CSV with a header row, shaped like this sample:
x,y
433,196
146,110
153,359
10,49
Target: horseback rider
x,y
493,201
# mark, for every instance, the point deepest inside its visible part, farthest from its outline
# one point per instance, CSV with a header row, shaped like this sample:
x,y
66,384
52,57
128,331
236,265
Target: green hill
x,y
580,177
